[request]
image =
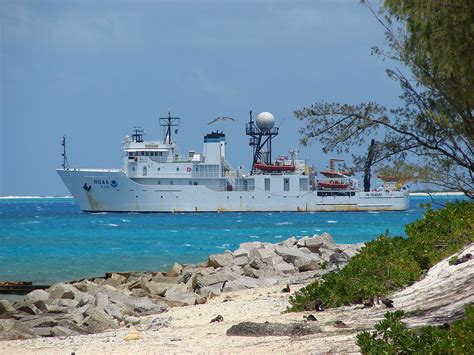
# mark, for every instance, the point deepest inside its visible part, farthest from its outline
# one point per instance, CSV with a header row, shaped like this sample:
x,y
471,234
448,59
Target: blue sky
x,y
94,69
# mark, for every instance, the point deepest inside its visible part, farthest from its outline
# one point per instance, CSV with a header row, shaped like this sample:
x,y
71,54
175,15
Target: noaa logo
x,y
113,183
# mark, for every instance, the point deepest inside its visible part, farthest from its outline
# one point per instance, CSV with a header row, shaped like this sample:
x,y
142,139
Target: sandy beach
x,y
444,292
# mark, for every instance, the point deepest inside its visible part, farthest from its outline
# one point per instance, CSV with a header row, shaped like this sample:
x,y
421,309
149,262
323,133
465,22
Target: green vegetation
x,y
430,137
387,263
393,337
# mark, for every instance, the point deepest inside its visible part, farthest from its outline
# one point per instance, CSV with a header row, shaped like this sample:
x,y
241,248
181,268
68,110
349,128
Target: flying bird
x,y
223,118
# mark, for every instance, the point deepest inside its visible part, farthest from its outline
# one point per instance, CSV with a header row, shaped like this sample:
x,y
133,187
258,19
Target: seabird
x,y
223,118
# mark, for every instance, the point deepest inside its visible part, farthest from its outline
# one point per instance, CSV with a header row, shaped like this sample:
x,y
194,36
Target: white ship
x,y
155,178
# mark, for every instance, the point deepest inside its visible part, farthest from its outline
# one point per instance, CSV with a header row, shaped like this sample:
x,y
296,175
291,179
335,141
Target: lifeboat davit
x,y
333,185
273,168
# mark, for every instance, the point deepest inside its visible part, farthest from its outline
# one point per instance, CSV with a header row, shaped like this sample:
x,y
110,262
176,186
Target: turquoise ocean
x,y
46,240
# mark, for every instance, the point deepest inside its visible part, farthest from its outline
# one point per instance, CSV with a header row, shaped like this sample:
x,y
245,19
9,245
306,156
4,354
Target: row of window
x,y
146,154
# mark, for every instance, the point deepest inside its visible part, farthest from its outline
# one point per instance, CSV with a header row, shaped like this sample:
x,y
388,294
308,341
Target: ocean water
x,y
48,240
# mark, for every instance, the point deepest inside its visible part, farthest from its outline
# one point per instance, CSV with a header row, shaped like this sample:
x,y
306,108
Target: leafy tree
x,y
434,129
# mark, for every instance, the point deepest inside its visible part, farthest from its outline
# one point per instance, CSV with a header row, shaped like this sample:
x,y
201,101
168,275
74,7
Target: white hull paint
x,y
114,191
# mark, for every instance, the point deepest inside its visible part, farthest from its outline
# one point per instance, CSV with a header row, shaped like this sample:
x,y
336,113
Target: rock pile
x,y
120,299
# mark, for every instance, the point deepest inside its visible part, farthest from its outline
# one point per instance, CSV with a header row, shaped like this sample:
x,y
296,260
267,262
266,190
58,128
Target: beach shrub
x,y
389,263
392,336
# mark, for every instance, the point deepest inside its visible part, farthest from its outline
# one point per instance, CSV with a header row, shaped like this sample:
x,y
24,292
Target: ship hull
x,y
113,191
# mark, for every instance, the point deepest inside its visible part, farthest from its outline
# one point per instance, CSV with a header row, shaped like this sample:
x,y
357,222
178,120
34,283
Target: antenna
x,y
65,163
168,122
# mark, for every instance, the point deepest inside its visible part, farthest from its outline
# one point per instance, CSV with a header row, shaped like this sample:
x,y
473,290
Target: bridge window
x,y
267,184
286,184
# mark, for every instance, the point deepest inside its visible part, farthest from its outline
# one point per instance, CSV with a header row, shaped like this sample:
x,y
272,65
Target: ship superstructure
x,y
156,178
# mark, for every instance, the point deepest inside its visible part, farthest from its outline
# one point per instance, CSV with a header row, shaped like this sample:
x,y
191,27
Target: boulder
x,y
301,242
242,283
42,331
251,245
26,307
263,254
62,290
285,268
120,279
241,260
324,241
12,329
179,295
215,278
290,242
158,288
257,263
339,258
220,260
97,321
6,309
61,331
40,322
209,292
301,260
253,329
175,270
36,296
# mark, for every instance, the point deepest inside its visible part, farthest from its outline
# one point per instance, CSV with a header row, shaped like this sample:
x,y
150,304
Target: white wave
x,y
111,225
254,236
374,212
278,236
31,222
228,230
283,223
186,245
317,230
117,248
304,231
238,221
125,220
331,221
100,212
223,246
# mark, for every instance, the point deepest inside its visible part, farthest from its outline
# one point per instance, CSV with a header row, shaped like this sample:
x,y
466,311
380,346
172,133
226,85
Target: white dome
x,y
265,121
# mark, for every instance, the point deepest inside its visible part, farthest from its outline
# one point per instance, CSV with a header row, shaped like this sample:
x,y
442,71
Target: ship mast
x,y
261,136
169,122
65,163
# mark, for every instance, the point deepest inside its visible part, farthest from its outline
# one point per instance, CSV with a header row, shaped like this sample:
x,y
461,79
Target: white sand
x,y
444,290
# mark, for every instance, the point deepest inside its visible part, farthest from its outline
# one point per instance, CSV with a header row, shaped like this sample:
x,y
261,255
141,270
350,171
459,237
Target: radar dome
x,y
265,121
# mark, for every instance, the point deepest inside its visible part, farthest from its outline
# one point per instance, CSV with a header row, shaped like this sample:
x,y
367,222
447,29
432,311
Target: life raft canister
x,y
189,169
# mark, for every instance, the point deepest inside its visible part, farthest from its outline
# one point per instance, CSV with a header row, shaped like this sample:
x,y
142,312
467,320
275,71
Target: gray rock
x,y
240,252
158,288
250,271
241,260
26,307
36,295
12,329
146,306
61,331
6,309
272,329
220,260
290,242
263,254
251,245
285,268
40,322
301,260
97,321
215,278
121,279
175,270
242,283
42,331
307,264
179,295
257,263
62,290
339,258
209,292
132,320
324,241
301,242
